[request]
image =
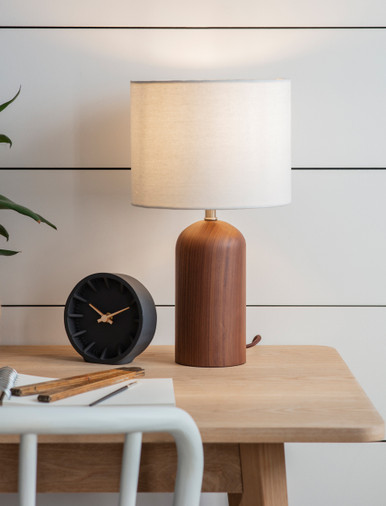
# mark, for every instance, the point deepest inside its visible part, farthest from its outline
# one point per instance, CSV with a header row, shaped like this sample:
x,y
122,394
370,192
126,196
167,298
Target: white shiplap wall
x,y
82,78
316,270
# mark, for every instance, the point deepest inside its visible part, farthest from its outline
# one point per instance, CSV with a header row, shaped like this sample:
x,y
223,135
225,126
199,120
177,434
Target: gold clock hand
x,y
108,317
96,309
120,311
104,317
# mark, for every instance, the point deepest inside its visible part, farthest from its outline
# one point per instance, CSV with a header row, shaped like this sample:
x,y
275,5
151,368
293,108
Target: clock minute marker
x,y
80,333
92,286
81,299
89,346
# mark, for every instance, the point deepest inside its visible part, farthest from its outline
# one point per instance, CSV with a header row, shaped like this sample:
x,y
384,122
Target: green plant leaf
x,y
6,203
4,139
8,252
6,104
3,232
43,220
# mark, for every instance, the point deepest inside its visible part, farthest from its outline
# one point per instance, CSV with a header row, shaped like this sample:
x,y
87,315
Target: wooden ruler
x,y
66,387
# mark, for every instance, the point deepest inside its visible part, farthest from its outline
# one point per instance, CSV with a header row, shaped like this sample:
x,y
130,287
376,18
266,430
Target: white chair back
x,y
29,422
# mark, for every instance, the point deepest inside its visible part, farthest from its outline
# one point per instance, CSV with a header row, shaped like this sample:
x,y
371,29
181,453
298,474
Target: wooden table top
x,y
282,393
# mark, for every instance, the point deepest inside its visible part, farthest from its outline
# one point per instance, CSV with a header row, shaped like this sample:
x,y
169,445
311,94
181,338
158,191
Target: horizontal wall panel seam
x,y
248,305
129,168
84,27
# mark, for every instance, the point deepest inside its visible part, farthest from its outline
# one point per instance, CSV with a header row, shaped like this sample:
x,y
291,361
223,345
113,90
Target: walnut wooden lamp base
x,y
210,295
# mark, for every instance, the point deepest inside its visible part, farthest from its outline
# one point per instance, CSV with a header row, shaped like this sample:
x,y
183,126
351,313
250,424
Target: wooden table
x,y
245,415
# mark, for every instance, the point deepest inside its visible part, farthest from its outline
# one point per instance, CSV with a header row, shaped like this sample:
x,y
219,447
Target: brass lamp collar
x,y
210,215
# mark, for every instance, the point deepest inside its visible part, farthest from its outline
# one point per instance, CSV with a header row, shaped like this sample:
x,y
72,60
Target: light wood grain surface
x,y
269,489
282,393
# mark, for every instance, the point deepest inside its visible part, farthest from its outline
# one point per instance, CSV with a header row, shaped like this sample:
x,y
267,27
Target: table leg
x,y
263,476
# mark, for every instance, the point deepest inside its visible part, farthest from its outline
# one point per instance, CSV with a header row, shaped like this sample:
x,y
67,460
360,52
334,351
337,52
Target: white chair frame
x,y
30,421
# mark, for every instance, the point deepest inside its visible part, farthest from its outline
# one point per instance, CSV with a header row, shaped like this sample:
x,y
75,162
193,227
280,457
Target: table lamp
x,y
210,145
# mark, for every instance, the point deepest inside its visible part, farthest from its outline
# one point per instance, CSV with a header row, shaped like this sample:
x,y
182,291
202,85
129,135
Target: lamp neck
x,y
210,215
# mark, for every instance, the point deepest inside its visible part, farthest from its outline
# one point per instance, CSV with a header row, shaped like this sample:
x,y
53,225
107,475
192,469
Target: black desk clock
x,y
110,318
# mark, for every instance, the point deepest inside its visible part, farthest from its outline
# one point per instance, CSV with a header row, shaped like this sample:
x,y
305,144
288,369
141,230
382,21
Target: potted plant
x,y
6,203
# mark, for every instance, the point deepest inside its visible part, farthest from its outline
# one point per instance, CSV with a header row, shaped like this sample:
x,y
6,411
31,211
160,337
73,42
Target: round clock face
x,y
110,318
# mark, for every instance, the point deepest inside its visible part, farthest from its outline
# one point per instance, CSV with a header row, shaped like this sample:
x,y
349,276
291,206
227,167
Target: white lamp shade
x,y
211,144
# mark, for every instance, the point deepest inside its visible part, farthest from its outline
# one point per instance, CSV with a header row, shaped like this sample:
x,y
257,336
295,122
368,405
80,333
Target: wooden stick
x,y
94,385
37,388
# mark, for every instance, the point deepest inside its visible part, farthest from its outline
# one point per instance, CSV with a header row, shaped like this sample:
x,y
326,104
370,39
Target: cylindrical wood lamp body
x,y
210,295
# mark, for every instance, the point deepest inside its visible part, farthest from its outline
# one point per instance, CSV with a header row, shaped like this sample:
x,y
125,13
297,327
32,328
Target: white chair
x,y
132,421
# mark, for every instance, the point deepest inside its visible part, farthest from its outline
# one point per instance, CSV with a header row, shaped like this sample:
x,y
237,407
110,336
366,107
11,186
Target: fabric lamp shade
x,y
211,144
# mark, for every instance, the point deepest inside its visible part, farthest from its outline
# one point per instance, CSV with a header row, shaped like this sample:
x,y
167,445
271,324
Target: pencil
x,y
112,394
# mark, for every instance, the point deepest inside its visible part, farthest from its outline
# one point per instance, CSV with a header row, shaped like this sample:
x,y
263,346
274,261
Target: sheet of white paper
x,y
151,391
